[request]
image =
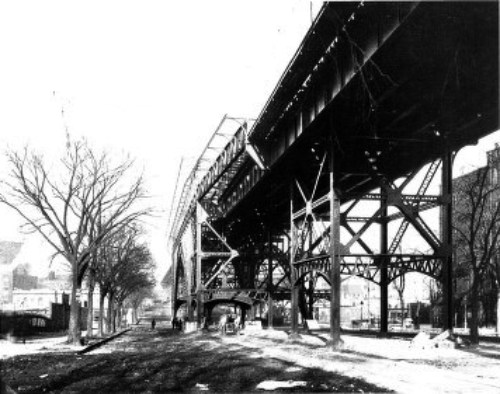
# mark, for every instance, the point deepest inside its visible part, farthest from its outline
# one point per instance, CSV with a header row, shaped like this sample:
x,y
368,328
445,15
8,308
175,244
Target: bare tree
x,y
64,204
133,284
477,230
135,300
399,285
126,267
112,254
435,288
91,281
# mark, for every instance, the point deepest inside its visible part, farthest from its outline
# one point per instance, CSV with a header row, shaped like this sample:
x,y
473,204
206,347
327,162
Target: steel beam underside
x,y
412,127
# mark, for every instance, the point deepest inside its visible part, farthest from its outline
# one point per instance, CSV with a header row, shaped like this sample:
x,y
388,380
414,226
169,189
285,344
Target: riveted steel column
x,y
189,301
199,254
173,300
293,272
384,284
335,340
447,240
270,289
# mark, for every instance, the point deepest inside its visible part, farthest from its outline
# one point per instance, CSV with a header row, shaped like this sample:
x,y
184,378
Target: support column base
x,y
335,345
382,335
294,337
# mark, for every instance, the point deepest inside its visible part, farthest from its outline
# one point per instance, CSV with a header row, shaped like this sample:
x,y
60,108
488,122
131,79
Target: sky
x,y
148,78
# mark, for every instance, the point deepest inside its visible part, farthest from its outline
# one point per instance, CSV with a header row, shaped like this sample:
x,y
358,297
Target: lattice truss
x,y
277,254
202,257
414,244
216,257
223,267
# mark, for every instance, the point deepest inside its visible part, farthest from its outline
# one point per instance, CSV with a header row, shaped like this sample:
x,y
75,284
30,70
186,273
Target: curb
x,y
102,342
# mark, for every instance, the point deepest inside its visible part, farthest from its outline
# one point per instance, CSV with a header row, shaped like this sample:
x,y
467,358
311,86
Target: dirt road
x,y
162,360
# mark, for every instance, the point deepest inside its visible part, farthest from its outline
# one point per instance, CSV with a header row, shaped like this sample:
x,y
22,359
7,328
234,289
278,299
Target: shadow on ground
x,y
159,361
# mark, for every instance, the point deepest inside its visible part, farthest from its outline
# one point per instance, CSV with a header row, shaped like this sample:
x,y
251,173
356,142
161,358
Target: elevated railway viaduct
x,y
377,97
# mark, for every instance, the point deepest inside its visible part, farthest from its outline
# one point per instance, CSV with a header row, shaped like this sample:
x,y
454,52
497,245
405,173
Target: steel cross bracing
x,y
221,160
416,203
279,270
312,233
314,247
372,81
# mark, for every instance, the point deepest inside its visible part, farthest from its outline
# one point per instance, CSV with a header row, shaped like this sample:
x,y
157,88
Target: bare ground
x,y
157,361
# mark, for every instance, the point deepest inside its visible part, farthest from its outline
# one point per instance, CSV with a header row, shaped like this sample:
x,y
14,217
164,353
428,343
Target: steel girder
x,y
355,56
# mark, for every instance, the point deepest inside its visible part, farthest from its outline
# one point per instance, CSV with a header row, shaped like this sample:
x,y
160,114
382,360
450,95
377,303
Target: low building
x,y
38,300
22,280
8,253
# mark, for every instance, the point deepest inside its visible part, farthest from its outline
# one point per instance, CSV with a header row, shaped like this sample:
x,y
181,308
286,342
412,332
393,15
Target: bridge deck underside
x,y
405,85
432,86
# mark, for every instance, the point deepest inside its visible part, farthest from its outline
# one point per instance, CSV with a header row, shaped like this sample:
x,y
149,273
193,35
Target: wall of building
x,y
5,286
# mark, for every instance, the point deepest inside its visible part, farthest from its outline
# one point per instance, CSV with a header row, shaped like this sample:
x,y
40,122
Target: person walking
x,y
237,324
222,324
153,324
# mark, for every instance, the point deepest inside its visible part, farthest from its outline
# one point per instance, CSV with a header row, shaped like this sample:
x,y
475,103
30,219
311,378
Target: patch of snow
x,y
270,385
11,349
101,350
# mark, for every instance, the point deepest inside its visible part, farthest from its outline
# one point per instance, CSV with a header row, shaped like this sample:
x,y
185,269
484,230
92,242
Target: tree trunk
x,y
111,316
119,316
474,329
134,315
402,306
102,295
90,305
74,330
498,311
310,298
303,308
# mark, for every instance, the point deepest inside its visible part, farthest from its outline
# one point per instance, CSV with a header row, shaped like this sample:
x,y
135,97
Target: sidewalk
x,y
389,363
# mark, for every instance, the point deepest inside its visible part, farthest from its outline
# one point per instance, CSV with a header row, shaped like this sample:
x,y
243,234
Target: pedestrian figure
x,y
222,324
237,323
153,324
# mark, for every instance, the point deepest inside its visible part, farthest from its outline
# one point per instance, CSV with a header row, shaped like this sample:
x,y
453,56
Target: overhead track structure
x,y
378,97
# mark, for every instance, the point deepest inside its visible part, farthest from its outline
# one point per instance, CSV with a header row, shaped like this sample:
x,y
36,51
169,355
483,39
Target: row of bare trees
x,y
124,277
87,207
476,239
